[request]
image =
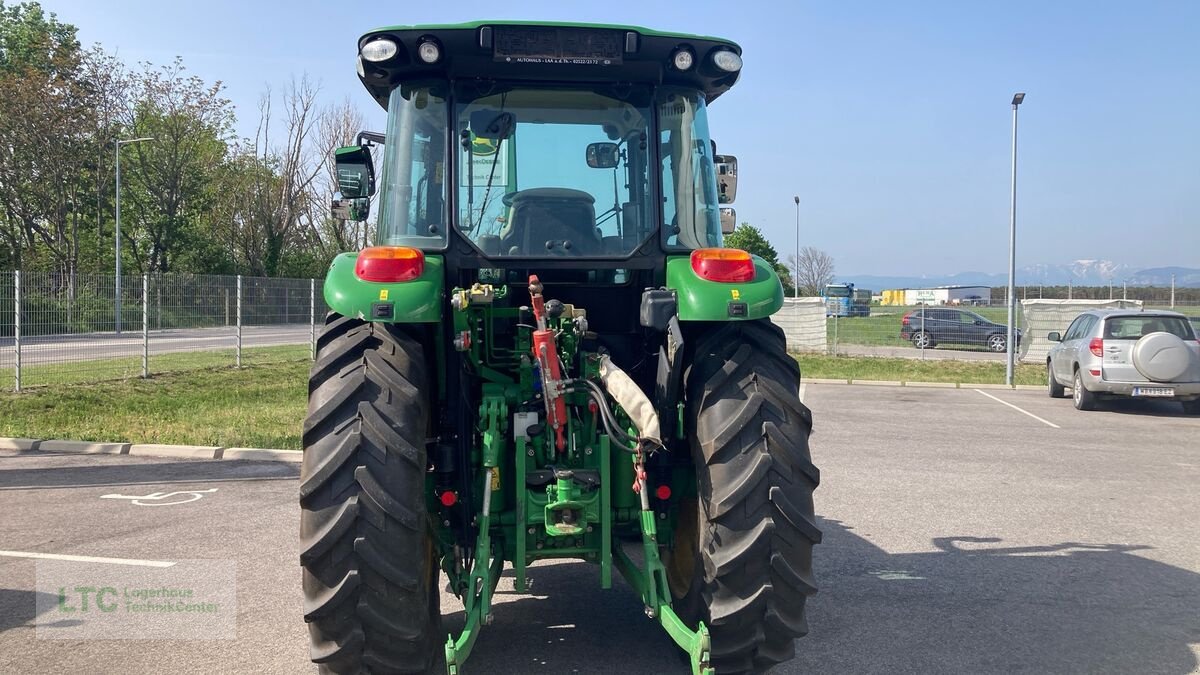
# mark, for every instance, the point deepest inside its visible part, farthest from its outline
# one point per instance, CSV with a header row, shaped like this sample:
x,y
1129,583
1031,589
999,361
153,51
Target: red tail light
x,y
1097,346
904,319
389,263
728,265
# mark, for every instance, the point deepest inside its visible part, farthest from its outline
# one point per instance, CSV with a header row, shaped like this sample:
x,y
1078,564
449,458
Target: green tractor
x,y
548,355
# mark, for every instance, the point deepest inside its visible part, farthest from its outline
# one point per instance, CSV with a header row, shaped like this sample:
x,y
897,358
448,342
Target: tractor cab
x,y
513,141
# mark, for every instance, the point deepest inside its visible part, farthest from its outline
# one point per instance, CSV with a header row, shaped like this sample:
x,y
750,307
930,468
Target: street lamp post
x,y
796,261
117,298
1012,249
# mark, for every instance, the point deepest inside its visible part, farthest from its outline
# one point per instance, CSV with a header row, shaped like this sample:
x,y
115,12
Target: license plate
x,y
1153,391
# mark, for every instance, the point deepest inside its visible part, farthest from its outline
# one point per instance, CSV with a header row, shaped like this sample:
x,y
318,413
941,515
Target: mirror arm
x,y
371,138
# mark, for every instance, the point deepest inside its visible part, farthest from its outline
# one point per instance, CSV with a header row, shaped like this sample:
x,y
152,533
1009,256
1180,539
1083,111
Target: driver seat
x,y
551,221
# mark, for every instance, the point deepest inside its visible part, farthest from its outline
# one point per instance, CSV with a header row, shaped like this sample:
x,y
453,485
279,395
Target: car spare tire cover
x,y
1161,357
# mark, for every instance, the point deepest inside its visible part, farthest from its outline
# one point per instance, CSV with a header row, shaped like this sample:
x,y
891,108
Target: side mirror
x,y
726,166
355,171
492,124
728,220
1054,336
603,155
357,210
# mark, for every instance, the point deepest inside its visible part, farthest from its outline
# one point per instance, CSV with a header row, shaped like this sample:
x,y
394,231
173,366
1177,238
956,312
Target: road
x,y
1044,540
92,346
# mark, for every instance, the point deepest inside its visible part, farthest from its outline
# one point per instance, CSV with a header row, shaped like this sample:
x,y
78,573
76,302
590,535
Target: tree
x,y
814,270
751,240
170,178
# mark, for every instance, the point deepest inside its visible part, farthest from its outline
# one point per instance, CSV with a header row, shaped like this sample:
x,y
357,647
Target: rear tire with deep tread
x,y
754,526
370,577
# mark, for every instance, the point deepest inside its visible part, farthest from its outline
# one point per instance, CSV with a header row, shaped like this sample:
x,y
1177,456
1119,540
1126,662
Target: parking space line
x,y
87,559
803,389
1021,410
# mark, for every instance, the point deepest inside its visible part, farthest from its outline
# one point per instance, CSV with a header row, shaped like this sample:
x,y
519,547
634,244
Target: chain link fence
x,y
66,329
971,331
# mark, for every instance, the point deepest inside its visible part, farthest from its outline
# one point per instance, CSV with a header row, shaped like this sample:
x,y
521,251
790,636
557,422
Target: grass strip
x,y
263,405
260,406
913,370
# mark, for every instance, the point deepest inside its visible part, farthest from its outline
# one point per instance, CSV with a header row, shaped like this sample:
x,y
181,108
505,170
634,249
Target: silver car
x,y
1115,352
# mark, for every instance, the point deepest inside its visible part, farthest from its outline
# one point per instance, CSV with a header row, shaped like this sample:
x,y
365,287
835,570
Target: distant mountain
x,y
1077,272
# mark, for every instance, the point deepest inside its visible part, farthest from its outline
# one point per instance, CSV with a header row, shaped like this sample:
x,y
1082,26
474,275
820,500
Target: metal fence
x,y
65,329
895,330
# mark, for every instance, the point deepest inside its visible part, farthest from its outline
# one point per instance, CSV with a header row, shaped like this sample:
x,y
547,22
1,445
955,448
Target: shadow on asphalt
x,y
18,608
1142,408
129,473
974,605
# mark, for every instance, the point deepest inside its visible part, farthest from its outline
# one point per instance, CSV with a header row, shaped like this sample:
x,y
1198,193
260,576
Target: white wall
x,y
803,322
1045,316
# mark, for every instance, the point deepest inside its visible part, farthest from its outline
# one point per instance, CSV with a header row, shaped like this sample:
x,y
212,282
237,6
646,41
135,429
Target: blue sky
x,y
890,120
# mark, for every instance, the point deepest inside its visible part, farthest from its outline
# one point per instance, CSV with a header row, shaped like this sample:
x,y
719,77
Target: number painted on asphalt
x,y
163,498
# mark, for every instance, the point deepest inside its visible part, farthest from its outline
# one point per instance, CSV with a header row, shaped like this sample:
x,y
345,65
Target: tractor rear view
x,y
548,355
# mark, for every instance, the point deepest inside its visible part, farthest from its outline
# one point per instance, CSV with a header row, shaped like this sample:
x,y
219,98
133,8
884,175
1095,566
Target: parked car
x,y
927,327
1117,352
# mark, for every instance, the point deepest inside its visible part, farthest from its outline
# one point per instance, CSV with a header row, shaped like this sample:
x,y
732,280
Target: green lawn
x,y
130,367
263,404
912,370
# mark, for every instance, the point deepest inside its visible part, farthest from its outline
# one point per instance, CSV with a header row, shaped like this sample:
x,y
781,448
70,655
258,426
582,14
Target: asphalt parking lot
x,y
966,531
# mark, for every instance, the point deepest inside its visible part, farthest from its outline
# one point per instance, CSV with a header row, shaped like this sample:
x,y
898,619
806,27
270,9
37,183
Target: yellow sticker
x,y
383,293
734,292
496,478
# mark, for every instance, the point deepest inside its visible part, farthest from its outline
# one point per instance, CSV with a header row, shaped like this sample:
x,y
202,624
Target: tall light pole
x,y
117,298
1012,250
796,261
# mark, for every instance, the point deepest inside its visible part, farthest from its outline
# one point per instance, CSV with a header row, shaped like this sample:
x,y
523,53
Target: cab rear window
x,y
1136,327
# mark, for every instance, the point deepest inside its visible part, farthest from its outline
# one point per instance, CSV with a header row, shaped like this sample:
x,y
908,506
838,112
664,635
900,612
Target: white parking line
x,y
803,388
1021,410
87,559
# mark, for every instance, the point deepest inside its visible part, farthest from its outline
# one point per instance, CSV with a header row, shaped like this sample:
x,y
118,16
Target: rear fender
x,y
416,301
703,300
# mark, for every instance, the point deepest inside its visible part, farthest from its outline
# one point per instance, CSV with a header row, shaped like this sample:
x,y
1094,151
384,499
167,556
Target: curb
x,y
151,450
263,454
929,385
84,447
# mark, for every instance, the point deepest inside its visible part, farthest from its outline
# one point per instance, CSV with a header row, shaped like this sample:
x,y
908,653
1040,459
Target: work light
x,y
379,50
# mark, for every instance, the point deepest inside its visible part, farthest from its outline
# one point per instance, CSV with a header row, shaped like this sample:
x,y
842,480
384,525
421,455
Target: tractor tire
x,y
742,560
370,573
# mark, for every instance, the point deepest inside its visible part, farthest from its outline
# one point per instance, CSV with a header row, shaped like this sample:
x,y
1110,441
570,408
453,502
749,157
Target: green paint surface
x,y
703,300
416,301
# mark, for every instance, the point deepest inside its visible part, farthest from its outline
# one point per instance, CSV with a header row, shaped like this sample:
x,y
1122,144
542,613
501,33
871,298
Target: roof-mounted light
x,y
727,60
362,72
379,50
429,51
683,58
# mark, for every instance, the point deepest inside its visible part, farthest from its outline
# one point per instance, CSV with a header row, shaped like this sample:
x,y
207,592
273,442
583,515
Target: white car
x,y
1123,353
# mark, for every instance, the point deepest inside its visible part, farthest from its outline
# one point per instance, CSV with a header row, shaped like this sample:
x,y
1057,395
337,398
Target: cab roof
x,y
543,51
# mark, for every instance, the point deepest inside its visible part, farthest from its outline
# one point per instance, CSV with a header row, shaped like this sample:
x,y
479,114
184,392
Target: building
x,y
941,295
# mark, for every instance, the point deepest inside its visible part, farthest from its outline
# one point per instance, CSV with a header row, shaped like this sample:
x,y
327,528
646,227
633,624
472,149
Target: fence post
x,y
239,321
312,318
17,327
145,326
